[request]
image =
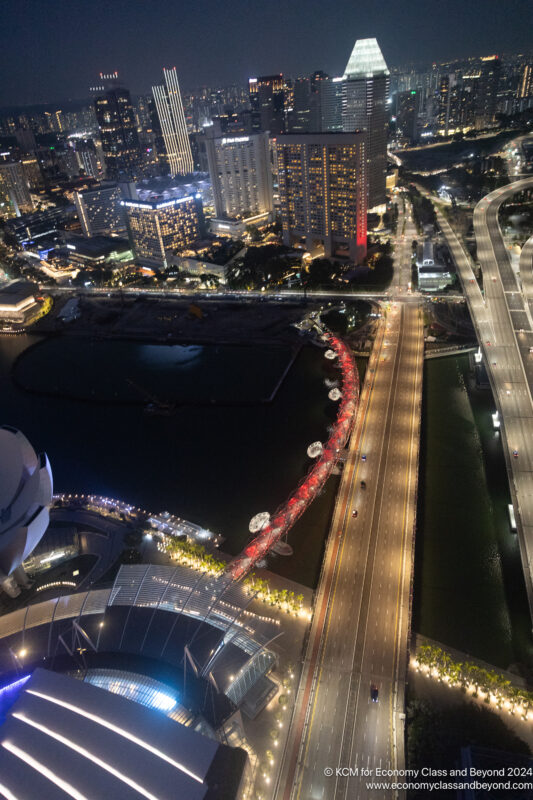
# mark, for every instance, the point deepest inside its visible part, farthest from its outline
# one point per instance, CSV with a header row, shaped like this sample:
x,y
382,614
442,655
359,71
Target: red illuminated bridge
x,y
287,514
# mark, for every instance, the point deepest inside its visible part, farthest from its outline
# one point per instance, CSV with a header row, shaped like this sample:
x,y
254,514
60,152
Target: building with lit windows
x,y
241,176
525,85
100,211
14,188
365,89
322,189
267,100
118,128
172,126
157,228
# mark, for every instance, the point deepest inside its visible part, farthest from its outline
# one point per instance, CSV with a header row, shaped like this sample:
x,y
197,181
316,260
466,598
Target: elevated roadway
x,y
360,627
503,322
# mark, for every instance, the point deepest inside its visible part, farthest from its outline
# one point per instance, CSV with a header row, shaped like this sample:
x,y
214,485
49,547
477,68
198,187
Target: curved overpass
x,y
295,505
505,327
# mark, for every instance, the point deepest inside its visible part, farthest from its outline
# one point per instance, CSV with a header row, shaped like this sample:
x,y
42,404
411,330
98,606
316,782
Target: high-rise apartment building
x,y
172,126
14,188
364,107
487,98
159,228
525,85
118,131
241,177
100,211
322,189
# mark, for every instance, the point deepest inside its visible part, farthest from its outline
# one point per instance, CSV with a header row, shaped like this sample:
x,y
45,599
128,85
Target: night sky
x,y
53,50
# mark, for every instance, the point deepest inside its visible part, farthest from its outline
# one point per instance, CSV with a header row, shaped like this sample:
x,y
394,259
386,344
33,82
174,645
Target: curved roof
x,y
25,493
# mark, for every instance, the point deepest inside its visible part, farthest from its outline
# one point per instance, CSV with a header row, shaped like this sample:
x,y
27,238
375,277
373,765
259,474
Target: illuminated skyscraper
x,y
118,131
100,211
159,228
525,86
364,107
171,120
322,189
240,174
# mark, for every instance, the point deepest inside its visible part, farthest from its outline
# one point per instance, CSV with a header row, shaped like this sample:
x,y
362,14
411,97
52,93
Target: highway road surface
x,y
503,321
360,626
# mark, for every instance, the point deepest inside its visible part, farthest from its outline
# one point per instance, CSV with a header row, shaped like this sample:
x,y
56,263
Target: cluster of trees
x,y
423,211
282,598
261,266
194,555
487,682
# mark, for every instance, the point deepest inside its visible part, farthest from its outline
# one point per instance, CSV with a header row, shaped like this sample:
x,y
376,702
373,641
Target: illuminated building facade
x,y
170,119
159,227
100,211
525,86
365,90
322,189
14,188
240,172
118,130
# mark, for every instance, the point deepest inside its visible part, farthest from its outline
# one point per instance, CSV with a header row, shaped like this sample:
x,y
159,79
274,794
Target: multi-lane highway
x,y
359,631
406,232
503,322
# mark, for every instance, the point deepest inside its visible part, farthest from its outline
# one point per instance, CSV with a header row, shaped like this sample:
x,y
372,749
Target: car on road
x,y
515,453
354,512
363,457
363,485
374,693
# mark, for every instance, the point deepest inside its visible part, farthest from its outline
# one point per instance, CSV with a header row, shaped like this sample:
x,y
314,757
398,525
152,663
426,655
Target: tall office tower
x,y
239,167
322,189
14,187
364,107
330,92
407,109
118,131
487,96
299,118
172,124
158,228
100,211
525,85
267,100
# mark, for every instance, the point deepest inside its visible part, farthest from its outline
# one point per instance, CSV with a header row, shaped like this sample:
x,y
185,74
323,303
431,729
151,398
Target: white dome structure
x,y
25,494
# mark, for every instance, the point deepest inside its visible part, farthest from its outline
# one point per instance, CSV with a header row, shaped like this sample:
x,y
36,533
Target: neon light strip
x,y
116,729
86,754
7,793
43,770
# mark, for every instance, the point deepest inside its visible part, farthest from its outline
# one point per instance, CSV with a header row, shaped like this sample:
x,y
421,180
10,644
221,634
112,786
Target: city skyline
x,y
139,40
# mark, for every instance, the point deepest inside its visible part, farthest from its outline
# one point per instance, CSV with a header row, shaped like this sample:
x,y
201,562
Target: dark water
x,y
215,465
469,587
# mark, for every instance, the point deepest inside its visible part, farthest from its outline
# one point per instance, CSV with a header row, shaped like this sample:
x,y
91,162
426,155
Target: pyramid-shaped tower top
x,y
366,60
